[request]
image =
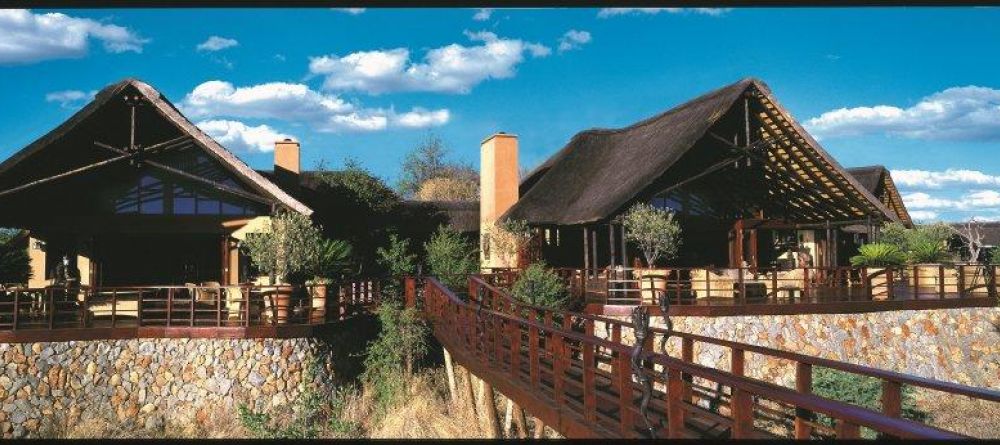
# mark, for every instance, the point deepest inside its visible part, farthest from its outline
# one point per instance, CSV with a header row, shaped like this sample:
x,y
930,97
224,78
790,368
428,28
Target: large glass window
x,y
154,195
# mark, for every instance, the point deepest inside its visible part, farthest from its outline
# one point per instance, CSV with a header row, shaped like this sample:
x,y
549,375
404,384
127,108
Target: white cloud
x,y
70,98
26,37
611,12
452,69
421,118
238,136
923,215
216,43
351,11
483,14
573,39
298,103
938,179
959,113
973,200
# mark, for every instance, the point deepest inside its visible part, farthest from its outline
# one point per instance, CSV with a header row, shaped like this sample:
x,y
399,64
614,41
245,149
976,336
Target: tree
x,y
359,185
654,230
450,257
288,245
508,238
444,188
539,286
15,264
971,234
398,261
428,162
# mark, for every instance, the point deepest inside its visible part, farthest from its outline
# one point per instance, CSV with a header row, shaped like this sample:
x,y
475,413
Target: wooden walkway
x,y
553,366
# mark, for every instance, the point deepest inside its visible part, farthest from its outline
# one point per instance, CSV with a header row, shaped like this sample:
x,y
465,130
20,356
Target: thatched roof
x,y
990,231
877,180
168,111
601,170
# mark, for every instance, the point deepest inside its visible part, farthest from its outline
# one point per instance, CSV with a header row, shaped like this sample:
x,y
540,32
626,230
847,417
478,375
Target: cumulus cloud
x,y
216,43
483,14
573,39
299,103
421,118
237,136
70,98
923,215
451,69
26,37
939,179
959,113
351,11
611,12
972,200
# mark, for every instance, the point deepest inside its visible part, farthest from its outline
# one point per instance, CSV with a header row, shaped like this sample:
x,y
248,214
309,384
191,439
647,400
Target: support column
x,y
624,248
586,250
611,244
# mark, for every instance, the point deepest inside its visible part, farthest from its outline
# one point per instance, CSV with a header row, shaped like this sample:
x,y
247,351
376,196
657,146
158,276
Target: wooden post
x,y
624,395
539,428
611,243
687,355
490,409
533,362
450,370
624,246
469,395
892,398
589,384
507,418
593,247
520,422
586,253
847,430
675,407
742,404
803,384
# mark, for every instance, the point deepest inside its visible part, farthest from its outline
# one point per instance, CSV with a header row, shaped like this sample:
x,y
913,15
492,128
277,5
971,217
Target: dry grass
x,y
964,415
219,424
428,413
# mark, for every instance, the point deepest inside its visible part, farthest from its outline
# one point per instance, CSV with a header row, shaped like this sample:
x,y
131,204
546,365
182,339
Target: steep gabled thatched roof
x,y
601,170
877,180
167,110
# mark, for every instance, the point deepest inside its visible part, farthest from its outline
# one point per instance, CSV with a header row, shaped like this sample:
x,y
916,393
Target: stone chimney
x,y
286,163
498,191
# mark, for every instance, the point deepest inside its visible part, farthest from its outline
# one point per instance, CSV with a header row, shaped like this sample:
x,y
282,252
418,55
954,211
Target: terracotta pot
x,y
878,280
282,301
924,276
647,285
318,313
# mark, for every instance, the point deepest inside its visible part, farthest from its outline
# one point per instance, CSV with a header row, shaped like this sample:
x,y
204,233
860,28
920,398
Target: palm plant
x,y
878,255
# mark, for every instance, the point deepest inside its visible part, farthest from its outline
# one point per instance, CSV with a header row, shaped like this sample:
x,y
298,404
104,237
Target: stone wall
x,y
144,382
956,345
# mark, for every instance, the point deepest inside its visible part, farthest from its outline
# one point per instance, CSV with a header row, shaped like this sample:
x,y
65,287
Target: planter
x,y
282,302
649,281
878,281
318,312
927,278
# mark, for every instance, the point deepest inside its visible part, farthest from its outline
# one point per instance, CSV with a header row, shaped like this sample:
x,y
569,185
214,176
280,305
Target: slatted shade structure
x,y
877,180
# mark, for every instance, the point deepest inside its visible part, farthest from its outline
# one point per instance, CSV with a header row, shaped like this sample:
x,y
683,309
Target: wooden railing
x,y
53,308
556,355
707,285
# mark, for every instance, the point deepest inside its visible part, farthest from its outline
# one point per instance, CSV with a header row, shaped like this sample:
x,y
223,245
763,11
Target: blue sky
x,y
914,89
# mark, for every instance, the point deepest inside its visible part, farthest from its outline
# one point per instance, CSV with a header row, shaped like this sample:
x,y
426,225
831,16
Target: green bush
x,y
925,243
861,391
451,258
335,260
390,357
878,255
654,230
397,261
539,286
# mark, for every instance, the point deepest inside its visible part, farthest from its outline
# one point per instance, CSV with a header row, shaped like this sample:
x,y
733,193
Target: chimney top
x,y
498,134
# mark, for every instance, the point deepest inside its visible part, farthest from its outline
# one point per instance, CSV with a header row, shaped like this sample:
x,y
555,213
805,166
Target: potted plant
x,y
333,266
927,257
287,245
878,259
657,234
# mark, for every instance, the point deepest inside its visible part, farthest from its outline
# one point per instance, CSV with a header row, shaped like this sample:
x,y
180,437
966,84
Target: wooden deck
x,y
553,366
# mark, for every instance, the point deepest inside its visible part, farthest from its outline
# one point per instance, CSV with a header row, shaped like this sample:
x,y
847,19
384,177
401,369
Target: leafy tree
x,y
15,264
426,162
360,185
397,261
450,257
654,230
391,356
539,286
447,188
289,245
508,238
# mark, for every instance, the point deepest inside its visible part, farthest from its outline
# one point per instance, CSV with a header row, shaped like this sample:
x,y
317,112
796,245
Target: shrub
x,y
306,419
539,286
450,257
397,261
925,243
654,230
360,186
390,357
334,260
878,255
861,391
508,238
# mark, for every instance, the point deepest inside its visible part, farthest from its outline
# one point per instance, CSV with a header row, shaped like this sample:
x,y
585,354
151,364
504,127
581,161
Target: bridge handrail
x,y
868,371
853,415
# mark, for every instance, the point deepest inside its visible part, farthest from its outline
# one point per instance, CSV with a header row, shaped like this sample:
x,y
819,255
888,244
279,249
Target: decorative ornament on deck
x,y
640,320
